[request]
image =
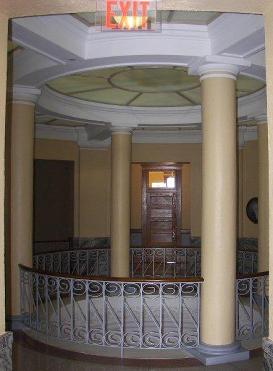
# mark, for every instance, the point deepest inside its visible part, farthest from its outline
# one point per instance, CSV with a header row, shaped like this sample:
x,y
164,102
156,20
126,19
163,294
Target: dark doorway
x,y
53,200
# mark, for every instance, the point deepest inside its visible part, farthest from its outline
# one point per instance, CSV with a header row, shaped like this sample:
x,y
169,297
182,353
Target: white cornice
x,y
59,104
80,136
212,65
117,115
23,94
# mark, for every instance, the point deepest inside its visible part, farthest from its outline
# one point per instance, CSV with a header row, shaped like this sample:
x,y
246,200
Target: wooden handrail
x,y
131,247
117,279
252,275
108,248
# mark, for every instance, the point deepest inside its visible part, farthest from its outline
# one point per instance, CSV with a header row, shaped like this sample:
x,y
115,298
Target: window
x,y
161,179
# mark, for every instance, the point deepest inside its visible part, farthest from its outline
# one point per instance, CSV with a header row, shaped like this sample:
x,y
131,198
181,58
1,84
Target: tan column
x,y
21,121
263,211
218,204
120,203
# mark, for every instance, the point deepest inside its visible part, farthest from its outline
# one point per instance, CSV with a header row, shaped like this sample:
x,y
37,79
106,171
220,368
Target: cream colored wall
x,y
95,187
136,195
19,8
190,153
93,177
186,196
248,167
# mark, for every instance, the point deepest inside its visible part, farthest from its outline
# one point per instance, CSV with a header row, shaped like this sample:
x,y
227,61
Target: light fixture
x,y
131,22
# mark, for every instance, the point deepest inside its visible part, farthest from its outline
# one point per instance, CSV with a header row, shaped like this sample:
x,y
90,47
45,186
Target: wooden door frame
x,y
178,188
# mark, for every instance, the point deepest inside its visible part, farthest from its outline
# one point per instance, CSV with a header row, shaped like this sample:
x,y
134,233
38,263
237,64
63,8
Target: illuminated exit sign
x,y
127,15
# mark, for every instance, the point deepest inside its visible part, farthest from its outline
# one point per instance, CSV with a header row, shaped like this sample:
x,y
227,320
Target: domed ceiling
x,y
142,86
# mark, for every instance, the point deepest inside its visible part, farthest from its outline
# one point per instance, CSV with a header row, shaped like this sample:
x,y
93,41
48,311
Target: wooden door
x,y
161,206
53,200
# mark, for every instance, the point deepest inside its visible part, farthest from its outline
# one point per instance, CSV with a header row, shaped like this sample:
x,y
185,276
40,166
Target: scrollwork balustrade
x,y
125,314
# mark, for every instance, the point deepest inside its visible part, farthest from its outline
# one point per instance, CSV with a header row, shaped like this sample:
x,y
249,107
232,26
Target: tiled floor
x,y
27,357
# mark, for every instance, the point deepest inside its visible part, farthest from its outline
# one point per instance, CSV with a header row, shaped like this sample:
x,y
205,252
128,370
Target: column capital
x,y
126,129
23,94
218,66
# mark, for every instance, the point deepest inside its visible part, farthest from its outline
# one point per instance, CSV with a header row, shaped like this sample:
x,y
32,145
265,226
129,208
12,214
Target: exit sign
x,y
127,15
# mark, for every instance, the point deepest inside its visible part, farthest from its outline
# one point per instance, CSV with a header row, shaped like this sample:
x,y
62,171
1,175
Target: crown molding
x,y
23,94
80,136
58,104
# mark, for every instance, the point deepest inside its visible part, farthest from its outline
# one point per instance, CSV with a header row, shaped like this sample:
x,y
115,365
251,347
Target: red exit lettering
x,y
125,7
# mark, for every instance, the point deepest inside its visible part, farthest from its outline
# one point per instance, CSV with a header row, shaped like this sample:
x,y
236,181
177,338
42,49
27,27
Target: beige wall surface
x,y
248,170
136,195
186,196
19,8
93,178
95,183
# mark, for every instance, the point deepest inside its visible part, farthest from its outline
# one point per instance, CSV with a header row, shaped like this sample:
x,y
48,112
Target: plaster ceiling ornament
x,y
93,80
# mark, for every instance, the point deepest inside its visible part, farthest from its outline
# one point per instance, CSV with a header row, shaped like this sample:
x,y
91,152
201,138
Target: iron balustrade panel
x,y
165,262
251,307
247,262
87,262
144,262
156,315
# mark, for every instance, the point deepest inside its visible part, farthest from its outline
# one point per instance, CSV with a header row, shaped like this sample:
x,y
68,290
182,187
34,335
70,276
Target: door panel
x,y
161,210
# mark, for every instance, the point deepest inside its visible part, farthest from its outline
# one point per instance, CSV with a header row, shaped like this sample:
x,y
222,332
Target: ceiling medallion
x,y
127,15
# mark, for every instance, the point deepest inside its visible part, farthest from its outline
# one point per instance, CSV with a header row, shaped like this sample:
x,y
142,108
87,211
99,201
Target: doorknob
x,y
173,235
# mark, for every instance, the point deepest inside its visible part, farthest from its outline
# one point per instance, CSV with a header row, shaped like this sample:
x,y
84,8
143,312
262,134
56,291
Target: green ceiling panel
x,y
112,96
157,79
77,83
147,86
160,100
248,85
194,95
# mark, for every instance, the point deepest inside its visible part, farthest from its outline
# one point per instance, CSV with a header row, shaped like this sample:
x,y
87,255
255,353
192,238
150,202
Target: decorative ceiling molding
x,y
61,45
23,94
80,136
53,102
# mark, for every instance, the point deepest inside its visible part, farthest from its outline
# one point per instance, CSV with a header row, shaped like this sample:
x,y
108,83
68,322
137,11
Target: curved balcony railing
x,y
133,313
144,262
125,313
252,306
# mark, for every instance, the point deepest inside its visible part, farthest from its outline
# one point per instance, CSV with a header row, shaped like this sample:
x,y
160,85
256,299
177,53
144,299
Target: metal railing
x,y
166,262
252,306
85,262
129,313
247,262
144,262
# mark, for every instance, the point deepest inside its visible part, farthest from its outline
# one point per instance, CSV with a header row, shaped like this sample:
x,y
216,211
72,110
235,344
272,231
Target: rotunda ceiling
x,y
142,86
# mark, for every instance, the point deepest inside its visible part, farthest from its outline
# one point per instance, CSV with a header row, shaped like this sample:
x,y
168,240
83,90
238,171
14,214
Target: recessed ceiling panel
x,y
160,100
147,86
108,96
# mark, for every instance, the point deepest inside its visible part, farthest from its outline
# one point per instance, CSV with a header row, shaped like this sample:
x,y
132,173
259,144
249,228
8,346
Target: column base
x,y
14,323
217,354
268,354
6,340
